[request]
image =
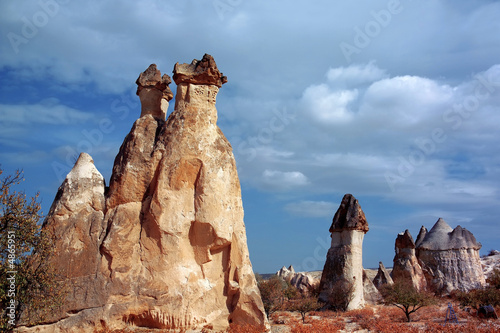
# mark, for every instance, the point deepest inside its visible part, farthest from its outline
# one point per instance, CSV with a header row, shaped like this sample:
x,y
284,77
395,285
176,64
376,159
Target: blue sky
x,y
396,102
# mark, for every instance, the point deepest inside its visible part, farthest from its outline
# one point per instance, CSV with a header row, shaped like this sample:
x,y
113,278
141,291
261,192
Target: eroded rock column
x,y
344,261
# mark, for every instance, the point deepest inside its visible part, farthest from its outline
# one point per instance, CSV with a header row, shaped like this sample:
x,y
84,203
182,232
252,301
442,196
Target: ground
x,y
383,319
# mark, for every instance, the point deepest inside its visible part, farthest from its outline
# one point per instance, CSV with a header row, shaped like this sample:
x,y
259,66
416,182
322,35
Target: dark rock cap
x,y
405,240
151,78
349,216
202,71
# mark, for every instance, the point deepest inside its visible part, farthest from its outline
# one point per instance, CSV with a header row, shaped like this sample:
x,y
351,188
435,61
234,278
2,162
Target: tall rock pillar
x,y
165,246
406,265
176,249
344,262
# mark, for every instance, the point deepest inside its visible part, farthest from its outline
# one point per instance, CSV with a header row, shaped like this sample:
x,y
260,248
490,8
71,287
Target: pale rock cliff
x,y
344,258
166,246
450,258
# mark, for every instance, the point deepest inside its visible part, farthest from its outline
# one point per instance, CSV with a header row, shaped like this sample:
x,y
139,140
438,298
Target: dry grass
x,y
246,328
322,325
386,319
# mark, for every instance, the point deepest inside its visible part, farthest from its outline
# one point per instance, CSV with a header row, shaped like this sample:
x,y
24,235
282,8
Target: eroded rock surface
x,y
304,282
450,258
406,265
383,277
204,72
154,92
167,244
344,258
371,294
76,221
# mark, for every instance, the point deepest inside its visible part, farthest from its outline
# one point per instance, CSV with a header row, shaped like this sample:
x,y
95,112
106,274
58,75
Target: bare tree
x,y
28,287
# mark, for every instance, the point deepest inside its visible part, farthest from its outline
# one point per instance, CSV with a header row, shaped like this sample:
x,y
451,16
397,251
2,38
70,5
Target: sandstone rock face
x,y
406,265
450,259
75,220
204,72
154,92
383,277
344,258
168,240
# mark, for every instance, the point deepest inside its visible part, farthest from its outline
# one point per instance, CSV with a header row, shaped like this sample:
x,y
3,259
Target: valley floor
x,y
384,319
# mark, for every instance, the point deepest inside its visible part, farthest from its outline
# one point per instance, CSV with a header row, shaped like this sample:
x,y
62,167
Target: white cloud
x,y
48,111
328,106
308,208
279,180
355,74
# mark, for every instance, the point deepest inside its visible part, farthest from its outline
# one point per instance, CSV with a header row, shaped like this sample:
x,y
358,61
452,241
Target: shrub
x,y
404,296
478,297
494,279
303,306
24,249
272,292
340,295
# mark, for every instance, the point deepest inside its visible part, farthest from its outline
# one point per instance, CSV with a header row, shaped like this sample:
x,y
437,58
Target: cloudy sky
x,y
396,102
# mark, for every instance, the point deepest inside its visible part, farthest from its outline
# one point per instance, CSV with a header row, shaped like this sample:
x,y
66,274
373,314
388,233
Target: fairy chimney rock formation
x,y
75,221
383,277
450,258
154,92
343,267
166,246
406,265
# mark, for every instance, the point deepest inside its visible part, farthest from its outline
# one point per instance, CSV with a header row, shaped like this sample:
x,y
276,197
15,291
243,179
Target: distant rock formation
x,y
303,281
344,258
383,277
371,294
166,246
286,273
450,258
406,265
